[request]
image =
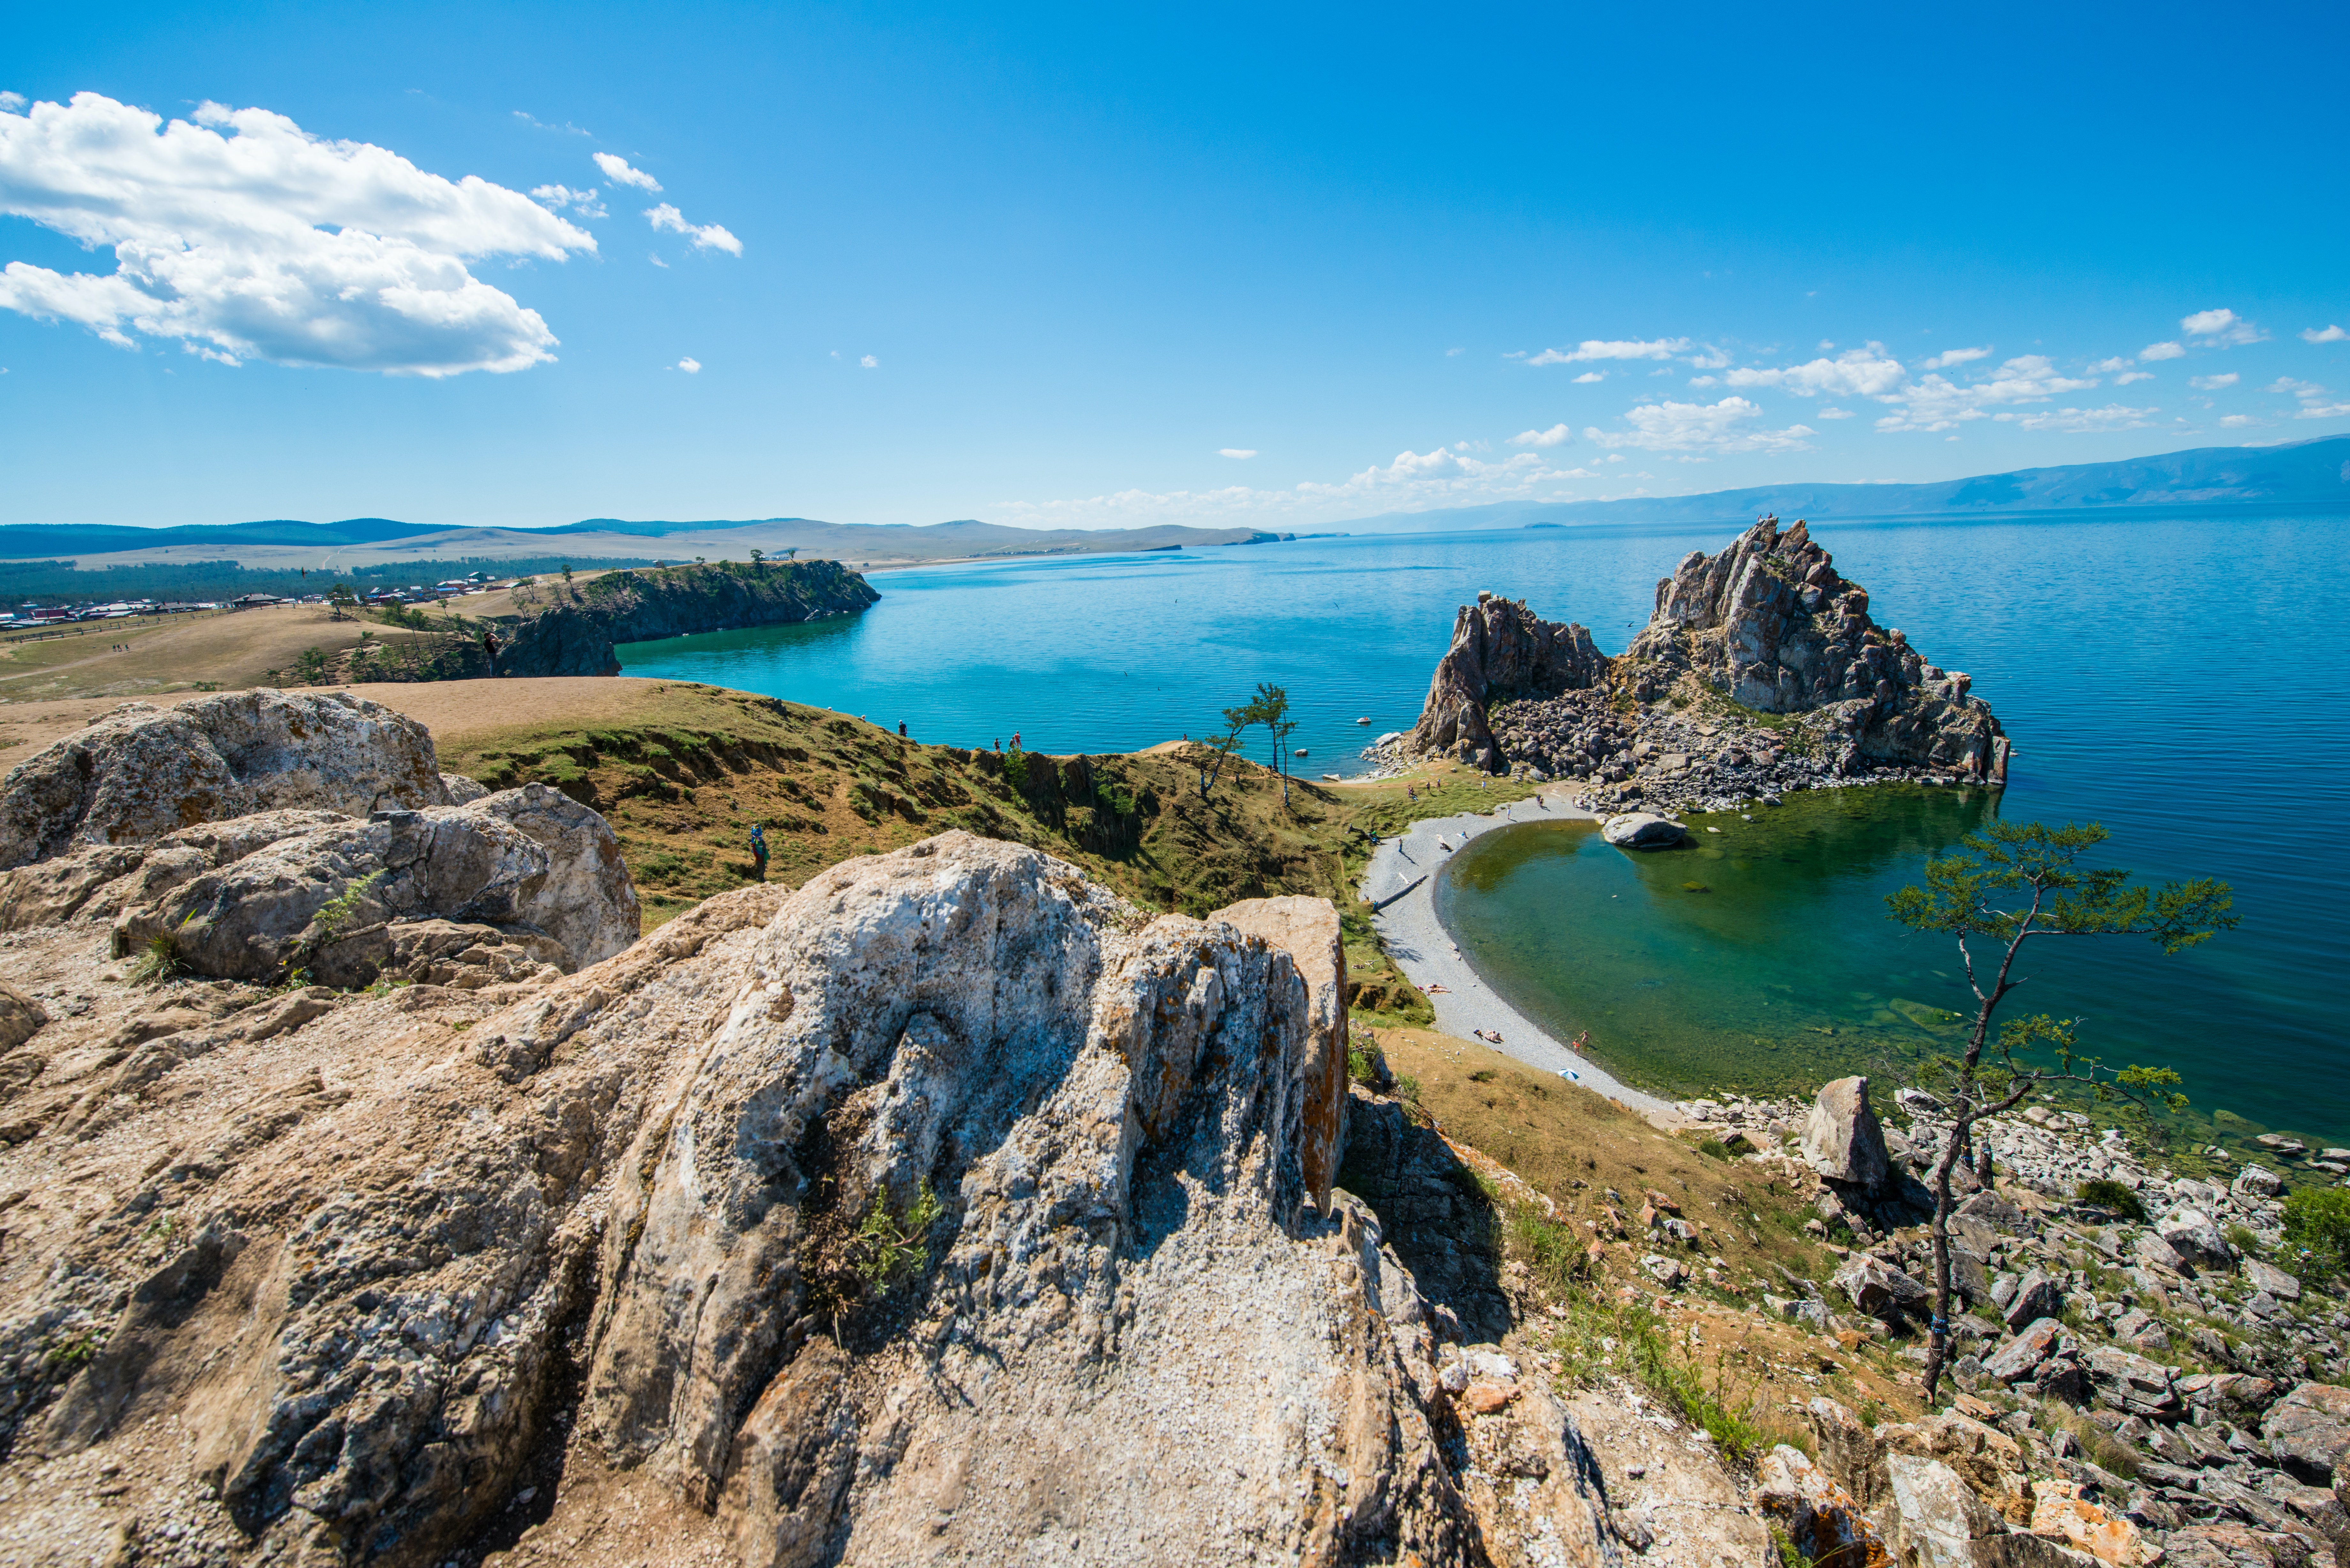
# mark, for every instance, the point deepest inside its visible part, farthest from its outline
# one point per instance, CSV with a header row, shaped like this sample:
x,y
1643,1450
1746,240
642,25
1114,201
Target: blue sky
x,y
1056,266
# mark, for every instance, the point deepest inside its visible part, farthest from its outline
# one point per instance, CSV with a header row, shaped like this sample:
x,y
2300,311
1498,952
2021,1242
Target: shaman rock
x,y
144,771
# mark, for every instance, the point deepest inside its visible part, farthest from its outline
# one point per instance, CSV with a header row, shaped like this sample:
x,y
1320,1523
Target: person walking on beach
x,y
759,851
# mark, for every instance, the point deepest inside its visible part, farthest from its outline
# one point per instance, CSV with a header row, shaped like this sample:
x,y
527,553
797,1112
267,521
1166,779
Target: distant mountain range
x,y
284,544
2300,473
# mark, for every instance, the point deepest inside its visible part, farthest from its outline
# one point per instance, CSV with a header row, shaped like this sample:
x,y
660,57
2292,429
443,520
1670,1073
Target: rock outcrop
x,y
1770,624
947,1209
1842,1138
1500,649
1766,625
286,892
143,772
575,634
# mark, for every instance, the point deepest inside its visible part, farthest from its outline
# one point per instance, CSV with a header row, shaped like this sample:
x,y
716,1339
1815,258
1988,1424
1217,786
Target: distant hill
x,y
2302,473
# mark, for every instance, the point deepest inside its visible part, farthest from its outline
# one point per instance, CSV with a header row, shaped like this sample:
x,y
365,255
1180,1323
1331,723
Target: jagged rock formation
x,y
1766,625
1770,624
576,635
1500,648
142,772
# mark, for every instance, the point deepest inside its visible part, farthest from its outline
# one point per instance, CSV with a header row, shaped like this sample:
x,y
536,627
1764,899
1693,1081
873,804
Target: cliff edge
x,y
575,633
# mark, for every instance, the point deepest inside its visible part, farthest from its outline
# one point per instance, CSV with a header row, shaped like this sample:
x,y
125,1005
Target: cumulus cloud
x,y
1594,348
690,365
868,362
1949,356
617,170
2323,335
1590,377
1723,427
706,236
2112,417
242,237
2162,351
1867,372
2220,328
2237,421
1243,452
1936,403
2106,367
555,198
2292,387
2126,377
1834,414
2323,410
1557,435
10,102
2213,383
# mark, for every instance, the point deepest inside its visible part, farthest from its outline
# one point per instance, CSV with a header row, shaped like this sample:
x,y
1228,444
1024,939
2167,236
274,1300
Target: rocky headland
x,y
1759,671
372,1191
574,632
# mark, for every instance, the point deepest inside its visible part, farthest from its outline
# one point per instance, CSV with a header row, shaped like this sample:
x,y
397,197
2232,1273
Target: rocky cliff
x,y
1697,710
575,633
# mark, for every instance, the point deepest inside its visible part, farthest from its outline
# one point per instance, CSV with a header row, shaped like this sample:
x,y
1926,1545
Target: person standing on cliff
x,y
759,851
490,648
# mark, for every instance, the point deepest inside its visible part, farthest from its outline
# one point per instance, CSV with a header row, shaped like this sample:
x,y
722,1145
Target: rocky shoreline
x,y
575,631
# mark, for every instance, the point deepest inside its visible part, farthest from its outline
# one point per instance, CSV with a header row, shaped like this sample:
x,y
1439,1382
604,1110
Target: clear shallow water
x,y
2177,678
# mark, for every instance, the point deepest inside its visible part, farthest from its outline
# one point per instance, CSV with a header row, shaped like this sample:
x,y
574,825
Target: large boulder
x,y
2268,1277
2131,1382
2192,1234
1841,1140
143,772
2308,1431
1934,1517
2036,1296
1823,1518
528,861
1642,830
21,1017
1880,1289
2021,1358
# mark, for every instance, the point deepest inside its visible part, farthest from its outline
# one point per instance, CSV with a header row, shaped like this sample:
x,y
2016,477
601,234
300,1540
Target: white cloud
x,y
2323,410
555,198
2112,417
566,128
1590,377
2237,421
617,170
1724,427
1937,403
2327,335
1857,373
706,237
1834,414
655,259
10,102
1615,457
868,362
1242,453
1594,348
2162,351
2105,366
1452,353
2213,383
2291,388
2126,377
1949,356
2220,328
1557,435
241,234
1712,358
690,365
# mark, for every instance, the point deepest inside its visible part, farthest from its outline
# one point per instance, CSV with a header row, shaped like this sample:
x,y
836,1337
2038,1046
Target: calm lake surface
x,y
2177,678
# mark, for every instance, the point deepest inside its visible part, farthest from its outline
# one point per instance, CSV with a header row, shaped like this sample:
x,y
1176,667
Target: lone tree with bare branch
x,y
2016,882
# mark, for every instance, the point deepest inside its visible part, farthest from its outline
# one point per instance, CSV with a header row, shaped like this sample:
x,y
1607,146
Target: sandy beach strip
x,y
1405,869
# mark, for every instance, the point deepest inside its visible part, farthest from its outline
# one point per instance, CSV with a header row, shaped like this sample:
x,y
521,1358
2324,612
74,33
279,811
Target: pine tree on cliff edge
x,y
2016,882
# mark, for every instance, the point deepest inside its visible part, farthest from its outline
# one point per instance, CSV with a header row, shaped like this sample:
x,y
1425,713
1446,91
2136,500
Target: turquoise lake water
x,y
2177,678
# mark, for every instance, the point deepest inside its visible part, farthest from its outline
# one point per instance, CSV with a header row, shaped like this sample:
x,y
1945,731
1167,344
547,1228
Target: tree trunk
x,y
1938,1336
